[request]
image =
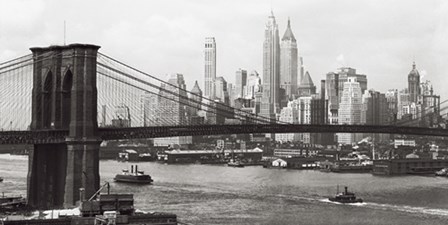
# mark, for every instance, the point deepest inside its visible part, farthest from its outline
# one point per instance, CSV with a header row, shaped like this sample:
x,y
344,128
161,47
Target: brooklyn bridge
x,y
56,99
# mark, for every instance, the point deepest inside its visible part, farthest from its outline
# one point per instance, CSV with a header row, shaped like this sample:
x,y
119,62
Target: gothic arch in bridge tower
x,y
47,93
66,98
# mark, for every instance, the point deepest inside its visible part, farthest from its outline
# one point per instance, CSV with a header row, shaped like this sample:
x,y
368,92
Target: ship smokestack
x,y
132,168
136,171
345,190
81,194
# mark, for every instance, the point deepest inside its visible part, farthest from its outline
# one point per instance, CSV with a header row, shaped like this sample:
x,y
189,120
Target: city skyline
x,y
381,47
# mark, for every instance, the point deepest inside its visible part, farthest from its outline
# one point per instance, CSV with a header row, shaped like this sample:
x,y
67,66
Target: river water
x,y
215,194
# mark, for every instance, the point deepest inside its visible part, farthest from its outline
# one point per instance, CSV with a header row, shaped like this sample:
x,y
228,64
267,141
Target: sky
x,y
379,38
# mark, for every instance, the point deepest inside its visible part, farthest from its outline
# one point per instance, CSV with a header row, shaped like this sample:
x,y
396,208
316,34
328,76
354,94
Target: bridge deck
x,y
59,136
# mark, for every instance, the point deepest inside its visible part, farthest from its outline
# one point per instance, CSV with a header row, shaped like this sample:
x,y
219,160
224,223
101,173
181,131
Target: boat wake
x,y
400,208
338,203
410,209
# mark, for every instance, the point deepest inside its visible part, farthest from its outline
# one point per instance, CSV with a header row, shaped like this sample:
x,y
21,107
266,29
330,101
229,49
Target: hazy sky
x,y
379,38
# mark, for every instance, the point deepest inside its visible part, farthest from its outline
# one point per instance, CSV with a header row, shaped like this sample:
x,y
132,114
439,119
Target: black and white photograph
x,y
208,112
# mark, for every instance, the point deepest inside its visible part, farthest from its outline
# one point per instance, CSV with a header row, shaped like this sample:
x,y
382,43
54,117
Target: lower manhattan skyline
x,y
209,112
379,39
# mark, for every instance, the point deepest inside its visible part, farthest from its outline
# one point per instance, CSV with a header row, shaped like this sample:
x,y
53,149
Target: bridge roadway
x,y
58,136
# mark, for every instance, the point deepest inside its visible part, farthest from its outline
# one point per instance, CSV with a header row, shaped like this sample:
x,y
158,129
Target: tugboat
x,y
346,197
136,176
234,163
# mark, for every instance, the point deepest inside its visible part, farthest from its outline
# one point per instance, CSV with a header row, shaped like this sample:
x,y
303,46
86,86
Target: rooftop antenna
x,y
64,32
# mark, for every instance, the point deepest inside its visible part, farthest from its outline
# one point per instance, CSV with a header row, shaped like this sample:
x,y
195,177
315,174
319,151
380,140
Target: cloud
x,y
378,38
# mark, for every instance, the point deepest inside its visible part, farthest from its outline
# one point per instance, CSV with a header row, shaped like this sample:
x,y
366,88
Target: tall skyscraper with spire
x,y
210,67
271,70
414,84
288,63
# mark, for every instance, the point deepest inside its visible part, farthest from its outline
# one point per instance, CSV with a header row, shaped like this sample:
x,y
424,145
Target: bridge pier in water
x,y
64,96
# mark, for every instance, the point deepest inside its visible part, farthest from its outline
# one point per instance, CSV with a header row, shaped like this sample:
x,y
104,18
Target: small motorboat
x,y
443,172
135,176
345,197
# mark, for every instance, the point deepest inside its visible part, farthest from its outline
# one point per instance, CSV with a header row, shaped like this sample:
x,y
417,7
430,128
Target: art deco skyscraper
x,y
210,67
271,70
414,84
288,63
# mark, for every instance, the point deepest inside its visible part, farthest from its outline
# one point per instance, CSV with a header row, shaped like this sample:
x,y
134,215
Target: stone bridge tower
x,y
64,96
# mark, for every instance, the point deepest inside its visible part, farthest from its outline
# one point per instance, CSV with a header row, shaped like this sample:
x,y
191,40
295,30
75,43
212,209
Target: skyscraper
x,y
253,85
288,63
150,109
414,84
271,70
306,87
240,82
210,67
350,109
173,108
221,90
374,111
196,96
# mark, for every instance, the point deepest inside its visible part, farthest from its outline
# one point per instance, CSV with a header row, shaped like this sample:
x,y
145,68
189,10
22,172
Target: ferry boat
x,y
345,197
135,176
7,203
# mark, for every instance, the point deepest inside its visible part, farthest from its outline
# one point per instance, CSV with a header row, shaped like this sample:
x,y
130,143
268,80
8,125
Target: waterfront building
x,y
210,67
271,70
414,84
408,166
350,109
288,63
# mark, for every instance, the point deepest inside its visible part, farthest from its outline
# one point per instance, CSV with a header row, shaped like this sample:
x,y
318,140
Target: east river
x,y
216,194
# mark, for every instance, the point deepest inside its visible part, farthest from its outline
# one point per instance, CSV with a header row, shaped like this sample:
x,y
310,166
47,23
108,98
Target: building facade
x,y
271,70
350,109
210,67
253,85
240,83
173,108
414,84
288,63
